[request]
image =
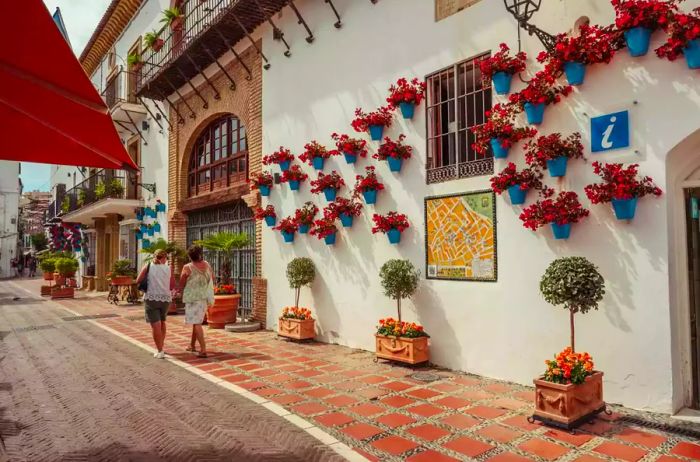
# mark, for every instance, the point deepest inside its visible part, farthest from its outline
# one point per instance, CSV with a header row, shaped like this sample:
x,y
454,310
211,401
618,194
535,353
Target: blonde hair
x,y
160,253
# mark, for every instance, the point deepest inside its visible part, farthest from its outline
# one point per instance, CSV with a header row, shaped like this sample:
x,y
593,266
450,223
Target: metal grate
x,y
681,430
92,316
425,377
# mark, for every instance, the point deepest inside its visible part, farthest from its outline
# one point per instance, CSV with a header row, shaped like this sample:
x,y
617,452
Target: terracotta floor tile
x,y
341,400
426,410
291,368
280,378
287,399
577,439
396,386
367,455
250,367
333,419
467,381
373,392
423,393
361,431
452,402
499,433
395,420
508,457
268,391
331,368
544,449
690,450
309,408
649,440
468,446
620,451
485,412
308,373
252,384
498,388
520,421
353,373
366,409
460,421
316,363
588,458
320,392
298,384
264,372
328,378
428,432
223,372
394,445
397,401
431,456
374,379
446,387
348,385
475,395
508,403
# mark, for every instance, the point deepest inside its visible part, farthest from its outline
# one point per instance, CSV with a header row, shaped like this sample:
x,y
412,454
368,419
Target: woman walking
x,y
158,296
197,281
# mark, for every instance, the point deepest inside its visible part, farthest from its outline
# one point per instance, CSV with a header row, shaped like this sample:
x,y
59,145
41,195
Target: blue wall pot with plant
x,y
294,185
284,166
370,196
407,109
139,216
346,220
288,237
318,162
394,236
139,235
376,132
144,229
534,113
501,82
304,228
517,195
575,72
637,40
330,194
264,190
151,231
160,207
561,231
156,227
270,221
146,244
330,239
350,158
692,54
395,163
557,167
499,152
624,208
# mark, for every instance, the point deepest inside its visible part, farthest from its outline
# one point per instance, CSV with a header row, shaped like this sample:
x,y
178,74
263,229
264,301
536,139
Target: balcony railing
x,y
120,88
104,184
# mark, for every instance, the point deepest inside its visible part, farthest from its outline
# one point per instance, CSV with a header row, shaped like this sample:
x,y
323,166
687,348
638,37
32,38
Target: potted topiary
x,y
66,268
570,392
295,322
122,272
395,339
48,266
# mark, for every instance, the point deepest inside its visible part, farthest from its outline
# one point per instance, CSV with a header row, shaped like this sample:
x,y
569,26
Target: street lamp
x,y
522,11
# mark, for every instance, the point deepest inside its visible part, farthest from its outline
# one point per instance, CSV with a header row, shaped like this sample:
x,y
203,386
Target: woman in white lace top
x,y
158,296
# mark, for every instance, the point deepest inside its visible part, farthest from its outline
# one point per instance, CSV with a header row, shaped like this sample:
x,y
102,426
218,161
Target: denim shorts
x,y
156,311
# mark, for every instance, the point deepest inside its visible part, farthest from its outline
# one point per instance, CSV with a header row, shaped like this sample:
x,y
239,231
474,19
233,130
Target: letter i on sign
x,y
610,131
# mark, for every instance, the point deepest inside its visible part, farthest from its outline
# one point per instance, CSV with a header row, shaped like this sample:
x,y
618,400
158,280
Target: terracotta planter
x,y
60,280
568,406
158,44
402,349
121,280
299,329
46,291
136,67
223,311
48,276
62,292
177,23
71,282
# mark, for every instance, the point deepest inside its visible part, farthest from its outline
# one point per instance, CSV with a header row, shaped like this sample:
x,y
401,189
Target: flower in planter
x,y
152,40
638,19
569,367
683,32
305,216
392,327
542,89
399,280
392,224
287,226
394,152
327,184
294,312
553,152
224,289
368,185
314,154
294,176
406,96
283,157
325,228
501,66
499,132
345,209
262,181
517,183
372,122
352,148
563,210
621,186
268,214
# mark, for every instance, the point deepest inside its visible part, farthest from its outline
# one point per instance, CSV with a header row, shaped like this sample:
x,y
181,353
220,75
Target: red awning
x,y
50,112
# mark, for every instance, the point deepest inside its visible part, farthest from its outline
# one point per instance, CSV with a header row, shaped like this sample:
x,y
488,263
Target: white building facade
x,y
10,191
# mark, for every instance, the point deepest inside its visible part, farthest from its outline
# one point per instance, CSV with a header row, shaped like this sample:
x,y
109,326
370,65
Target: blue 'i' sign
x,y
610,131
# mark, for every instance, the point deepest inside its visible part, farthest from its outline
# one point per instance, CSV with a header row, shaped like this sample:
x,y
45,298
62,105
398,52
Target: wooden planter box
x,y
402,349
48,276
46,291
223,311
298,329
62,292
568,406
121,280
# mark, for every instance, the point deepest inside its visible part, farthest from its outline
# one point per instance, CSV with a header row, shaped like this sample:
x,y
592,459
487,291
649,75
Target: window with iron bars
x,y
457,100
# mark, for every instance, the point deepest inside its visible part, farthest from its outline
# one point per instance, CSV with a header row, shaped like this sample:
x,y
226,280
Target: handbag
x,y
143,285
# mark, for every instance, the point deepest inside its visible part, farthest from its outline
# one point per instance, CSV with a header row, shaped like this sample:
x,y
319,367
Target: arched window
x,y
219,158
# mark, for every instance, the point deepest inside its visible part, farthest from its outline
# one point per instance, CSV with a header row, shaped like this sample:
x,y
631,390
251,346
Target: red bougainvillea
x,y
550,147
619,183
332,181
344,206
500,124
681,30
369,182
268,211
395,149
392,220
652,14
528,178
261,179
287,225
352,146
592,45
542,89
313,150
306,214
324,227
381,116
277,157
502,61
293,174
563,209
406,92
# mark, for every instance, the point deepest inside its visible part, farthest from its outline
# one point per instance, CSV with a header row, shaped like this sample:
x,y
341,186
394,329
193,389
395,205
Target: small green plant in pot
x,y
116,189
135,61
48,266
66,267
173,17
122,272
295,322
153,41
100,190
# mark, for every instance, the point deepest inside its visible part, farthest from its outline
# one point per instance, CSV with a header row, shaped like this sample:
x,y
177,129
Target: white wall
x,y
503,330
9,215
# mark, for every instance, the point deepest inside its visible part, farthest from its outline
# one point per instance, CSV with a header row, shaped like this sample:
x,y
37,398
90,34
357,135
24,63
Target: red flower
x,y
268,211
528,178
392,220
395,149
564,209
348,145
682,29
343,206
619,183
313,150
369,182
332,181
542,89
324,227
381,116
502,61
261,179
278,157
552,146
652,14
287,225
500,124
592,45
306,214
224,289
294,174
405,92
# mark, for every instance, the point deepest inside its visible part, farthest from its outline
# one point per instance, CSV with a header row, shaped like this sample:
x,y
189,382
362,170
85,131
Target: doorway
x,y
133,190
692,207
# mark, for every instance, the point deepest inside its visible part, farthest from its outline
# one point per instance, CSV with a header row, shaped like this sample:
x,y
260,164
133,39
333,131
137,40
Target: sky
x,y
81,18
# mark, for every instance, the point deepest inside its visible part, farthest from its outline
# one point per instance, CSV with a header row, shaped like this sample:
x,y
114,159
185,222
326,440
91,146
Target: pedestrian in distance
x,y
32,267
158,296
20,267
197,285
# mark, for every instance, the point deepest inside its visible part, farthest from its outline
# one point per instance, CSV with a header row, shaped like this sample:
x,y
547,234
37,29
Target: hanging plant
x,y
134,61
683,39
406,96
283,157
499,133
553,152
153,41
173,17
352,148
287,226
325,229
517,183
392,224
621,187
263,182
394,152
500,68
560,212
540,92
294,176
268,214
328,185
315,154
638,19
368,185
345,209
305,216
372,122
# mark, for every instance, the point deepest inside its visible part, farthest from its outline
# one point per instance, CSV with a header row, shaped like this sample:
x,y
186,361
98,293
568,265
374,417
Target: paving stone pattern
x,y
383,413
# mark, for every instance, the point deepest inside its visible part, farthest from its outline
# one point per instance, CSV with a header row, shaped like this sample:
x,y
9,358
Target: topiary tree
x,y
300,272
66,267
47,265
225,243
399,280
575,283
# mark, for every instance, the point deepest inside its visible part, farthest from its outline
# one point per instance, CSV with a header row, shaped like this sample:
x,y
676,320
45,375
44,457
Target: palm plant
x,y
224,243
172,249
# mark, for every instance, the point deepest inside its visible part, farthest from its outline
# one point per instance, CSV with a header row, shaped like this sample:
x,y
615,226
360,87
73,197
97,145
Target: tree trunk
x,y
398,305
571,323
297,292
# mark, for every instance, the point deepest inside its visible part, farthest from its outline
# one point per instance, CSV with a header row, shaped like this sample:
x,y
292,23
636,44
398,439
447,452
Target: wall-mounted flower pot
x,y
346,220
223,311
637,40
408,110
370,196
330,194
146,244
350,158
284,166
394,236
330,239
270,221
294,185
139,235
158,44
144,229
692,54
575,72
288,237
139,216
402,349
376,132
499,151
176,23
501,82
517,195
156,227
304,228
624,208
151,231
318,162
569,405
264,190
160,207
557,167
395,163
534,113
298,329
561,231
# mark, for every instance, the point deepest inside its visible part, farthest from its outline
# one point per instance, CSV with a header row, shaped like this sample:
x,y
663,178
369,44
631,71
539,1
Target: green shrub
x,y
399,279
300,272
39,241
100,190
47,265
66,266
122,268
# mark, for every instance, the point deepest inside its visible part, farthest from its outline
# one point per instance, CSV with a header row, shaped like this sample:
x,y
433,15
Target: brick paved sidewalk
x,y
384,413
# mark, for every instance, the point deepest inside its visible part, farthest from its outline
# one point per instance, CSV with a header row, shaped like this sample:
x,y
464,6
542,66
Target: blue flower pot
x,y
350,158
160,207
156,227
407,110
370,196
395,164
144,229
330,194
499,152
304,228
501,82
561,231
151,231
294,185
376,132
146,244
692,54
139,236
394,236
534,113
264,190
270,221
346,220
624,208
517,195
330,239
318,162
637,40
284,166
288,237
557,167
139,216
575,72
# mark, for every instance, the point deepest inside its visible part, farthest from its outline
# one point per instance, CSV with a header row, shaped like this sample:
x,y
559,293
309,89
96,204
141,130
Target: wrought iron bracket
x,y
180,119
156,119
310,37
182,98
205,103
338,24
548,40
217,96
232,86
230,46
150,187
252,42
131,119
277,33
